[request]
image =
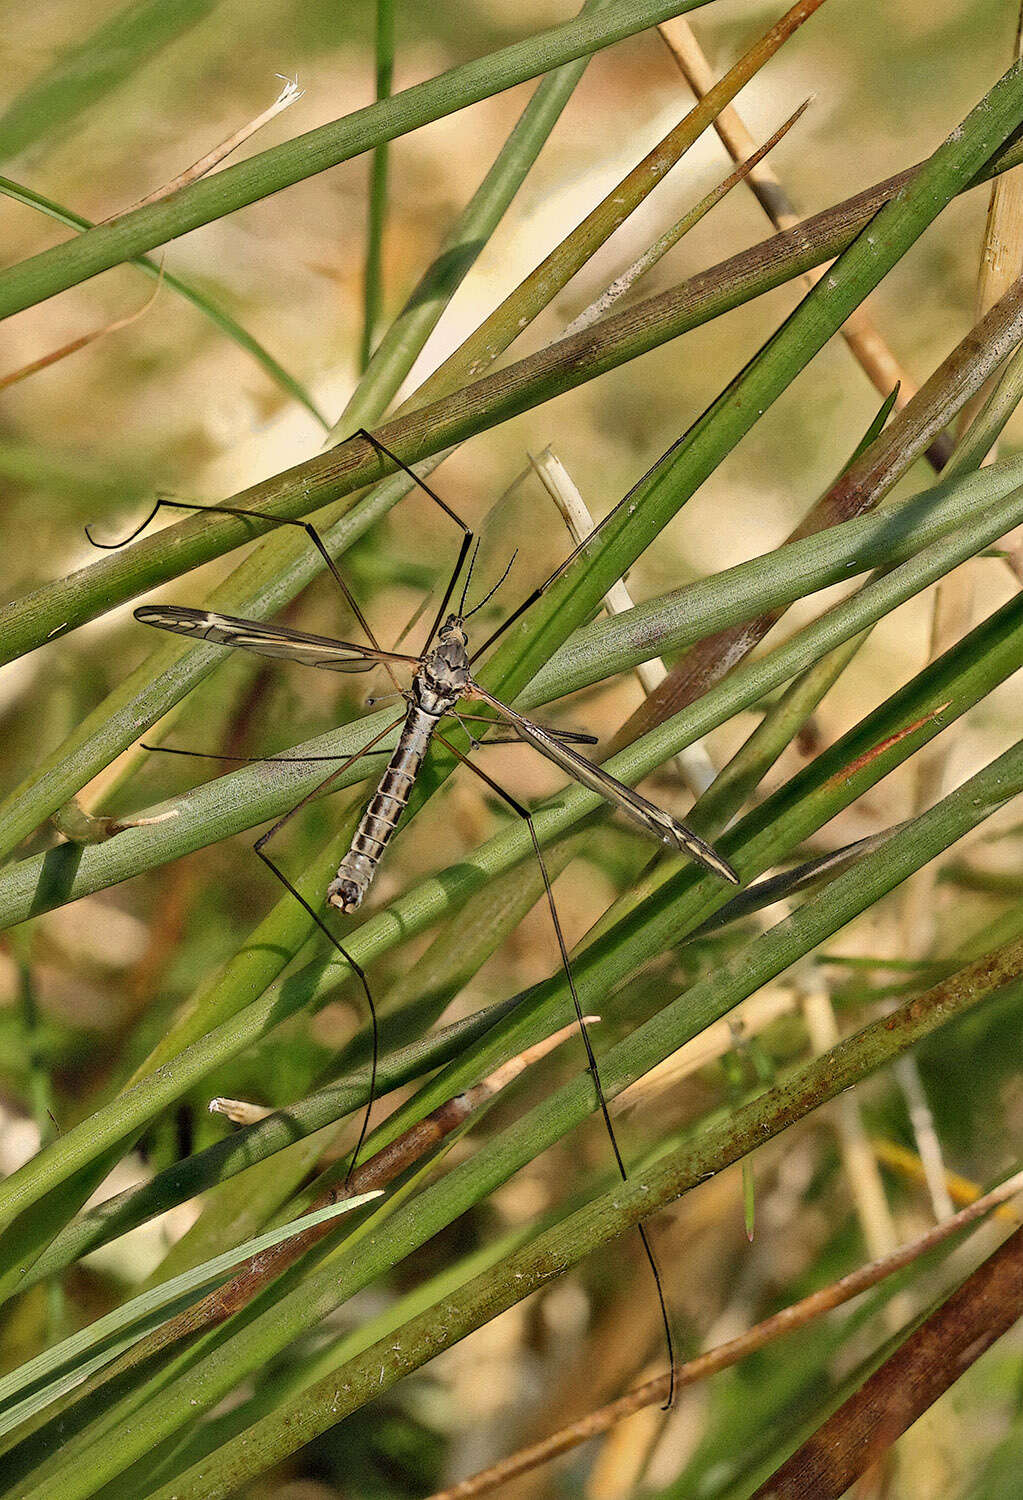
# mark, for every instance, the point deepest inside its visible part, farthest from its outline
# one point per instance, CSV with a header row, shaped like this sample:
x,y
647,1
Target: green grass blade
x,y
250,1144
991,653
323,1402
59,1368
244,798
377,208
50,612
83,1467
518,310
401,344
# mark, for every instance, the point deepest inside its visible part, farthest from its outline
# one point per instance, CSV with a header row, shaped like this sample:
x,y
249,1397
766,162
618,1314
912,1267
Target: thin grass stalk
x,y
860,333
200,301
248,796
404,339
405,1012
725,1355
623,283
252,1144
925,1365
376,217
952,605
498,331
860,488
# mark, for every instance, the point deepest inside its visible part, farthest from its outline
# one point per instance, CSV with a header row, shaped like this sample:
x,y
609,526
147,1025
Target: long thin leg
x,y
357,969
257,515
591,1059
569,736
467,535
259,760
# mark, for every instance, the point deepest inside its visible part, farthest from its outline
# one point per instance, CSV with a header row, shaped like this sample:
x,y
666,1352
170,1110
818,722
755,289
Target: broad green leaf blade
x,y
63,1366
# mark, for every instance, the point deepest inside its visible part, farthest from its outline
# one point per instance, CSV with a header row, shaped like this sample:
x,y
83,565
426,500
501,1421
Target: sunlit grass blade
x,y
404,339
48,613
246,797
765,835
64,1365
500,329
83,1465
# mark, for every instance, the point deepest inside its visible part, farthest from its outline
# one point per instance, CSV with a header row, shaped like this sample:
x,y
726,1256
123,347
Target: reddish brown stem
x,y
725,1355
925,1365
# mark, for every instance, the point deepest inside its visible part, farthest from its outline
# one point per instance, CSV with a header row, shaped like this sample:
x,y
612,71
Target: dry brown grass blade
x,y
859,489
56,355
859,1434
288,95
497,331
961,1190
602,305
860,332
952,610
730,1353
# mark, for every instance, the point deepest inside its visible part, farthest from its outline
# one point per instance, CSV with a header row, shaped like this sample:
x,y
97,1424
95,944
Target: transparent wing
x,y
649,817
267,640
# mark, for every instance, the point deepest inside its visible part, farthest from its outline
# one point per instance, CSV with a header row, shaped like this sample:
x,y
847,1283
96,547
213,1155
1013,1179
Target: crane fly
x,y
441,679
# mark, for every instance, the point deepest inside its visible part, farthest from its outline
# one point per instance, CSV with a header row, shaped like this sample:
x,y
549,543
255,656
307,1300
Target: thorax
x,y
443,675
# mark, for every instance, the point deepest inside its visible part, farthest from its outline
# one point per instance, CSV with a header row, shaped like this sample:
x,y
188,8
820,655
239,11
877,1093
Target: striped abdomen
x,y
380,819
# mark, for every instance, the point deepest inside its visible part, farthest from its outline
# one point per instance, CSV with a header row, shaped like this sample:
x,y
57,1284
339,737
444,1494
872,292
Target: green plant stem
x,y
860,488
736,781
254,1143
48,613
928,1359
293,161
663,491
377,207
84,1465
406,1012
321,1404
498,331
199,300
